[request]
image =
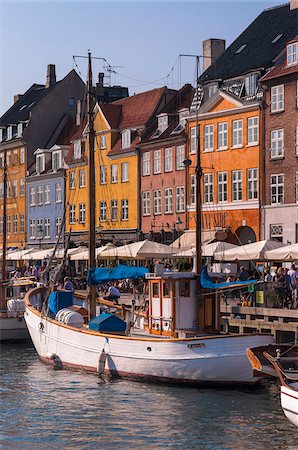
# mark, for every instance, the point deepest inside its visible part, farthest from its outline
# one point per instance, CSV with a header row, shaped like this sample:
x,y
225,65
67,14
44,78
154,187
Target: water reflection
x,y
44,408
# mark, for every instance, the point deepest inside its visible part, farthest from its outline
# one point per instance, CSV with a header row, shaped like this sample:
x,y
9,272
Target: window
x,y
208,138
82,213
15,188
8,189
237,133
251,82
168,200
1,190
126,138
277,143
292,54
276,232
58,193
277,98
15,159
1,224
39,195
168,159
162,123
193,140
40,164
47,193
22,155
77,150
114,210
297,138
56,161
58,225
103,175
277,189
32,228
22,223
8,159
8,224
192,189
32,196
71,101
114,173
47,228
180,157
146,203
252,130
1,134
103,141
9,133
39,228
222,189
124,209
82,178
14,223
252,184
146,164
103,211
180,199
157,202
22,187
212,88
242,47
222,136
72,214
296,187
157,161
236,185
72,180
208,188
124,172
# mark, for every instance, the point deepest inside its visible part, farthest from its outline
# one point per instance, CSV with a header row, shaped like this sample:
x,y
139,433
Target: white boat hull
x,y
213,359
13,329
289,403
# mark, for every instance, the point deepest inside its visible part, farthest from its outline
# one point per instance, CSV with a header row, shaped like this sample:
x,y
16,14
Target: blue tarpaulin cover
x,y
107,323
207,283
105,274
59,300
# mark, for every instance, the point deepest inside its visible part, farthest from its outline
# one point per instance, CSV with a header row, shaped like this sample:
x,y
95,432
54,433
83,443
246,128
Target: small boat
x,y
281,361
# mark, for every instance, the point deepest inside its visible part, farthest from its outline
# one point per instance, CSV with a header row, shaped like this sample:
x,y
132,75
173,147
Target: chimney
x,y
293,4
212,49
78,113
100,78
51,75
16,97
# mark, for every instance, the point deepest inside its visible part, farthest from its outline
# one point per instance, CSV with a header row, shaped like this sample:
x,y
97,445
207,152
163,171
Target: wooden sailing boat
x,y
176,347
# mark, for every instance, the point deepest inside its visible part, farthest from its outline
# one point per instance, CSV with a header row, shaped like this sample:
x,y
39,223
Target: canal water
x,y
46,409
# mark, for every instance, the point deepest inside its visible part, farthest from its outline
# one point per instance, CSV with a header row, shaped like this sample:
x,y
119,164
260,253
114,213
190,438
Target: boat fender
x,y
102,362
56,360
41,327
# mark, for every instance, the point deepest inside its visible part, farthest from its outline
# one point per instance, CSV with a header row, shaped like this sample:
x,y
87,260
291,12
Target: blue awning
x,y
207,283
105,274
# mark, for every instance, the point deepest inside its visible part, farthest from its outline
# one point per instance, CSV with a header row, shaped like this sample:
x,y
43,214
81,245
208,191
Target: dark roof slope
x,y
259,51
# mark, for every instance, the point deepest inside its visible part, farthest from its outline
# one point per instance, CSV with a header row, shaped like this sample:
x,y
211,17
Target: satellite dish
x,y
221,235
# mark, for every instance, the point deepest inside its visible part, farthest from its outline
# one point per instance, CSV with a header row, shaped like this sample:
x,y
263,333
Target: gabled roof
x,y
258,50
112,113
279,71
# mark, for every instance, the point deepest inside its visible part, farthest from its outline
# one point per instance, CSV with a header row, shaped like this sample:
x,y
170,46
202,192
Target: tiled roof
x,y
258,49
281,70
112,113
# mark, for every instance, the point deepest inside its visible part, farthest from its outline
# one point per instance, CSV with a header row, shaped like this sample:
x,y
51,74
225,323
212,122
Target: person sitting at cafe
x,y
243,274
68,284
113,294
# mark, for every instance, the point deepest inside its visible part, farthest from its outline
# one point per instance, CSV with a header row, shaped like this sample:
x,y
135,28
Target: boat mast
x,y
199,174
92,203
4,224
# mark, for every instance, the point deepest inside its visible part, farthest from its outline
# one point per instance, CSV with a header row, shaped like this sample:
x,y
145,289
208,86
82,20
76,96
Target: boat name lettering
x,y
201,345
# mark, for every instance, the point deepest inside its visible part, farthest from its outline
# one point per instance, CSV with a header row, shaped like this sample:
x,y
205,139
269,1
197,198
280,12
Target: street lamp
x,y
178,222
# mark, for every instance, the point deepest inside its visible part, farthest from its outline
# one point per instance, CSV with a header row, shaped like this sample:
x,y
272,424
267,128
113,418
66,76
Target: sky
x,y
140,40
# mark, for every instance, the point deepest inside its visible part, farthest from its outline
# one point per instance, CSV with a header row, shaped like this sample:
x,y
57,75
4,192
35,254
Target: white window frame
x,y
72,214
47,228
146,164
114,173
146,204
40,164
47,194
237,186
58,193
124,210
77,149
193,140
277,98
15,157
222,187
103,141
292,50
103,174
277,143
168,199
180,199
253,130
15,223
82,178
114,210
7,224
180,157
22,155
276,231
32,198
209,138
251,83
296,187
14,188
277,190
237,133
72,179
252,184
22,187
297,134
156,162
56,160
22,223
32,228
208,188
124,172
103,211
157,202
39,194
168,159
222,135
9,133
163,122
126,138
20,129
39,228
82,213
193,193
58,225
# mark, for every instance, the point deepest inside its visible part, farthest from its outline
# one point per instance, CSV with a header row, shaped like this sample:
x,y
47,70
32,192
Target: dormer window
x,y
9,132
1,134
77,154
126,138
292,54
40,164
212,88
251,82
162,122
56,161
20,129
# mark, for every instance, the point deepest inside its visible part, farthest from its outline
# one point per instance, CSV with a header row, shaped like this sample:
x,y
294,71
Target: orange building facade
x,y
230,148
